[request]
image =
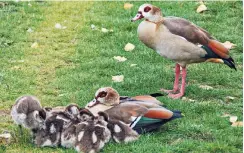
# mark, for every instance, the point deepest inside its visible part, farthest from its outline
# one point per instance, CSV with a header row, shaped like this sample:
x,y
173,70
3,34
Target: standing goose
x,y
176,39
140,116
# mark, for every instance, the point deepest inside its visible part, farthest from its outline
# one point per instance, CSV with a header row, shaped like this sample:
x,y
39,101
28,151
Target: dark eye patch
x,y
147,9
102,94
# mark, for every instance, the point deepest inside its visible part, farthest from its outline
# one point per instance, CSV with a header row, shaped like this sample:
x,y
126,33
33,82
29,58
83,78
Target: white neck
x,y
97,108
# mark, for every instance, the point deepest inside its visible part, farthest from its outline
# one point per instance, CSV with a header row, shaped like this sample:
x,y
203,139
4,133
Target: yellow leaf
x,y
118,78
233,119
120,59
201,8
128,6
129,47
237,124
35,45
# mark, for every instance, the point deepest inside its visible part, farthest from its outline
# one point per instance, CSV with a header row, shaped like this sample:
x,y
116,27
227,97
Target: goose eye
x,y
147,9
102,94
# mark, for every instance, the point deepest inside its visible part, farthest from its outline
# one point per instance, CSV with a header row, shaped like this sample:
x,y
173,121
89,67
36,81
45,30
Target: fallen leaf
x,y
118,78
104,30
187,99
201,8
205,87
58,26
229,98
35,45
120,59
128,6
5,138
229,45
237,124
129,47
133,65
93,27
233,119
30,30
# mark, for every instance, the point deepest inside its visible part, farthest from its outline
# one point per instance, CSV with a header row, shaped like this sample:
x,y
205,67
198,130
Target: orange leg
x,y
176,83
183,84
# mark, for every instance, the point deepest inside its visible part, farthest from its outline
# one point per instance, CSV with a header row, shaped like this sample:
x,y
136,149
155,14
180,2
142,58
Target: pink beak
x,y
93,103
137,17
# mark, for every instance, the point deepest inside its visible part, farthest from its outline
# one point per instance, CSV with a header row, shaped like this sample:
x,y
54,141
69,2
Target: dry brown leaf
x,y
120,58
237,124
201,8
118,78
229,45
129,47
233,119
128,6
205,87
35,45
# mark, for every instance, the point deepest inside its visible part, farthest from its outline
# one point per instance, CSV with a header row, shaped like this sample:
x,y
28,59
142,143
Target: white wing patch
x,y
117,129
94,137
80,135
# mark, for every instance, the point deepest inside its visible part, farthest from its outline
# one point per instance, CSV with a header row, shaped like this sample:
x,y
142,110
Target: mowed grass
x,y
71,64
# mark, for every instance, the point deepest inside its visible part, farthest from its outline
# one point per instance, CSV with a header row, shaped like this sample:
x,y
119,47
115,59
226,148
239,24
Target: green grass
x,y
71,64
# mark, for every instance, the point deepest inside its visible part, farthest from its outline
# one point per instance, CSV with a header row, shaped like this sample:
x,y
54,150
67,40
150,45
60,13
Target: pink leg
x,y
182,89
176,83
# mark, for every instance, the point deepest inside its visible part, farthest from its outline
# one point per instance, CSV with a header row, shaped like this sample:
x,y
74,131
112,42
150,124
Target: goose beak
x,y
137,17
92,103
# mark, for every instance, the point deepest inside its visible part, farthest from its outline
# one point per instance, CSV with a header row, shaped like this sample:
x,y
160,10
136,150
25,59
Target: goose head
x,y
106,96
149,12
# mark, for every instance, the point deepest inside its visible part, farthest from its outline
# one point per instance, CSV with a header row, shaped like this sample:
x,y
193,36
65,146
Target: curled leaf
x,y
120,59
129,47
118,78
233,119
201,8
128,6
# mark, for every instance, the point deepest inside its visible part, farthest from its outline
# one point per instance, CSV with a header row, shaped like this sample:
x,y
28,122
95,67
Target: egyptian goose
x,y
92,135
140,117
176,39
27,111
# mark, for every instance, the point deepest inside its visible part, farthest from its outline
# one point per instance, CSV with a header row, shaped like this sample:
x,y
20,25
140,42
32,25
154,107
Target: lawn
x,y
68,65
